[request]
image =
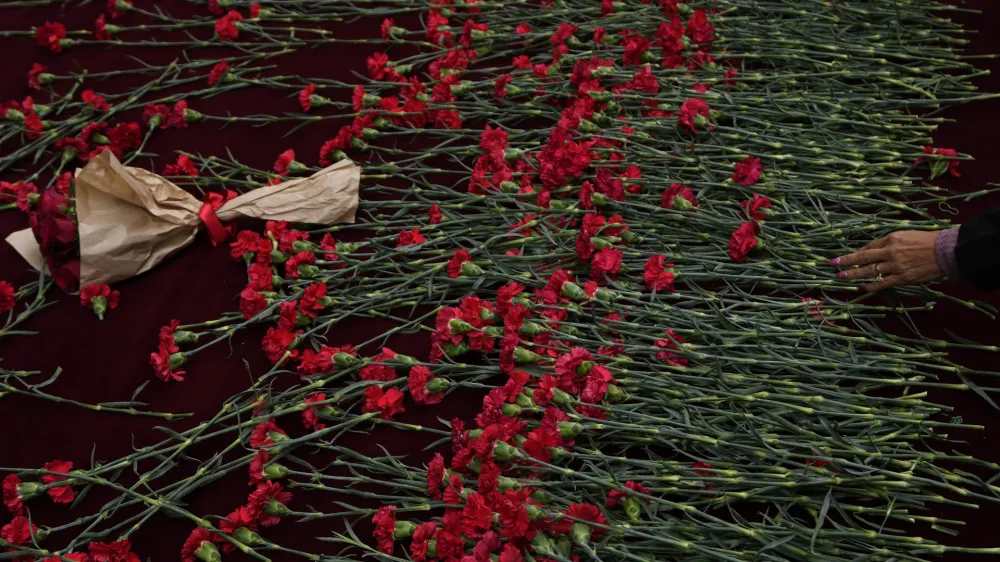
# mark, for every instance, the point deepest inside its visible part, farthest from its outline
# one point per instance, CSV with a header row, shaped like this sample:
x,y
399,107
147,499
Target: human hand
x,y
901,258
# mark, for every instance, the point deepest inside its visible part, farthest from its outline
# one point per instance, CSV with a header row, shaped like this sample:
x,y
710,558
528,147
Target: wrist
x,y
944,252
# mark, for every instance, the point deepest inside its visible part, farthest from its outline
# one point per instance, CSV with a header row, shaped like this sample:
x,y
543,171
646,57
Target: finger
x,y
862,257
866,272
885,283
877,243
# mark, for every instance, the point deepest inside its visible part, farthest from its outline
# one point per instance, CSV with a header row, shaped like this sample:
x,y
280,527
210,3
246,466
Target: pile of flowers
x,y
613,231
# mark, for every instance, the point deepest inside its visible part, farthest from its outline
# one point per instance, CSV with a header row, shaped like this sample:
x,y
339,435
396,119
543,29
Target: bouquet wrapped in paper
x,y
129,219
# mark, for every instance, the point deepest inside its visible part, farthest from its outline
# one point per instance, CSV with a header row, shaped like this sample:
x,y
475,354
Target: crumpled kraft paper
x,y
131,219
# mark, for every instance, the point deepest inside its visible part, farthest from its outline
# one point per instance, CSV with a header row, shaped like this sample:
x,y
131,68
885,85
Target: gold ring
x,y
879,278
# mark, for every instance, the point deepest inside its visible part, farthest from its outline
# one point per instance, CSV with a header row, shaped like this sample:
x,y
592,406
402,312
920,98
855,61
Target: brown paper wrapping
x,y
131,219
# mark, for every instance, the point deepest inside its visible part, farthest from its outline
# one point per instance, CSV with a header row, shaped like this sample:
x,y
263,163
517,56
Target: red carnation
x,y
743,240
678,196
51,36
199,539
421,537
455,263
419,377
305,97
699,29
18,531
262,497
389,402
748,171
94,100
99,297
218,72
34,76
261,436
59,494
615,497
435,476
408,237
585,511
940,165
11,496
668,350
754,209
386,28
101,29
118,551
184,167
310,416
693,115
434,214
8,296
606,262
385,528
226,26
283,161
658,275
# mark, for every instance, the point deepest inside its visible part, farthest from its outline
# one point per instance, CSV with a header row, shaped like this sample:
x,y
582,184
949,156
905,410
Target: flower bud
x,y
505,483
470,269
509,187
28,490
338,155
601,242
304,246
208,553
569,430
277,280
522,355
479,35
432,548
369,134
512,154
684,10
511,410
588,127
319,101
583,369
631,237
534,512
192,116
560,398
330,411
493,331
66,43
424,97
345,360
176,360
308,271
648,56
606,295
246,536
381,122
276,471
278,257
99,139
599,96
632,508
452,350
100,306
113,29
600,200
615,394
274,507
458,326
573,291
580,532
544,546
183,336
525,400
541,496
439,384
504,452
529,328
14,115
397,32
404,529
346,248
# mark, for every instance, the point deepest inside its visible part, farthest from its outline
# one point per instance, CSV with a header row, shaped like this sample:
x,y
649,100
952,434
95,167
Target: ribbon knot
x,y
210,204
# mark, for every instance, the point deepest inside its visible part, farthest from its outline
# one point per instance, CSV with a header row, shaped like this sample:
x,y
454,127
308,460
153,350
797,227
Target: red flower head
x,y
295,262
659,275
585,511
567,365
938,165
477,516
312,299
668,353
748,171
242,516
226,26
160,361
99,298
11,496
754,209
101,29
455,263
124,138
385,528
678,196
409,237
74,556
281,164
260,498
252,302
742,241
18,531
434,214
255,10
59,494
261,436
606,262
51,36
635,47
616,497
34,76
193,544
596,385
389,402
257,465
386,28
421,537
8,296
118,551
419,377
155,116
435,476
699,29
218,72
184,167
693,115
305,97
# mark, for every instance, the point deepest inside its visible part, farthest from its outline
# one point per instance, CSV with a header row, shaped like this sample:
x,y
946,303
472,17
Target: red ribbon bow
x,y
210,204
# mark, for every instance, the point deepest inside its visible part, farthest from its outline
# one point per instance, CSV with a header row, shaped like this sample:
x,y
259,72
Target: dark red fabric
x,y
106,361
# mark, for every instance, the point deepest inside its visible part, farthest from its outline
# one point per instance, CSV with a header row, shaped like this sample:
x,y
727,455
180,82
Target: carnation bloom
x,y
385,528
310,416
668,350
455,263
99,297
606,262
754,208
658,275
118,551
408,237
417,383
51,36
678,196
226,26
743,240
8,296
435,475
693,115
94,100
616,497
11,495
198,541
218,72
59,494
388,402
18,531
184,167
747,172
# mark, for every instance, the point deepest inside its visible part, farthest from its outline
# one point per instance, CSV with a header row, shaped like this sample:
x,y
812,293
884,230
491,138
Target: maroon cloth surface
x,y
106,361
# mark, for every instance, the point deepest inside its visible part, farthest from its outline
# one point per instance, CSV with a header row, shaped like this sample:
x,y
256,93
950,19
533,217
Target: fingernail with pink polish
x,y
835,261
842,275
